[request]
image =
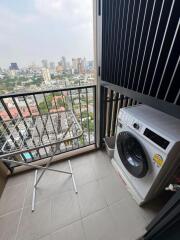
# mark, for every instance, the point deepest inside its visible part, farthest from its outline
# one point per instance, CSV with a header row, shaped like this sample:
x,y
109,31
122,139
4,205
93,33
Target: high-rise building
x,y
90,64
44,63
64,63
52,66
84,64
13,69
46,75
80,66
74,65
59,68
13,66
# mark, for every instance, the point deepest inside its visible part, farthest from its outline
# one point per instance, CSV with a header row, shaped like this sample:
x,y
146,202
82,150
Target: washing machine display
x,y
156,138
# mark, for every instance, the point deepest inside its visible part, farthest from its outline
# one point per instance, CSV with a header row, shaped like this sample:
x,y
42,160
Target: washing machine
x,y
147,150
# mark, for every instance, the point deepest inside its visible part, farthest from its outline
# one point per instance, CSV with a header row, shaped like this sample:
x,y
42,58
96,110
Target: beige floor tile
x,y
81,160
19,179
103,169
129,221
8,225
12,198
101,157
62,165
84,173
71,232
49,237
90,198
50,185
36,224
65,209
113,189
100,226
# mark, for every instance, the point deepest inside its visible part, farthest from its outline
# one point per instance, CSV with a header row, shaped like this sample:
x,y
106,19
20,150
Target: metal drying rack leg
x,y
37,179
72,175
23,149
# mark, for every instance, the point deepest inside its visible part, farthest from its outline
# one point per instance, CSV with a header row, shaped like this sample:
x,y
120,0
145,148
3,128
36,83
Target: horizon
x,y
39,64
34,30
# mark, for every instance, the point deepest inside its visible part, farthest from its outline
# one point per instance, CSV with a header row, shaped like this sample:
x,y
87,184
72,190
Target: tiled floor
x,y
102,209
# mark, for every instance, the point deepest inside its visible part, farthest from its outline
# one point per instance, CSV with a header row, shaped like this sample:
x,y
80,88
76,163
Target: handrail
x,y
45,91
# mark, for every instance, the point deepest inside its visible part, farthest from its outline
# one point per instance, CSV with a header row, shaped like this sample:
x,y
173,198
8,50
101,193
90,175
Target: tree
x,y
43,107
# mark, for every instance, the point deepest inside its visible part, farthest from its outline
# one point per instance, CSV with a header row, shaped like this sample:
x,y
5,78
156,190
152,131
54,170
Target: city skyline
x,y
47,75
33,30
49,62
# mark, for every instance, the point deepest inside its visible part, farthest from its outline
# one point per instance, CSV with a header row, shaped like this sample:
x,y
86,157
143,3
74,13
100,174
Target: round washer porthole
x,y
132,154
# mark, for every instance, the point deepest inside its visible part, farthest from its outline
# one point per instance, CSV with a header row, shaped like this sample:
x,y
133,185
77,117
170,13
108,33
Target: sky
x,y
32,30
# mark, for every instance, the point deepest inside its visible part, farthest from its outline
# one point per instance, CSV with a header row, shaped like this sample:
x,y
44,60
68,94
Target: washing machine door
x,y
132,154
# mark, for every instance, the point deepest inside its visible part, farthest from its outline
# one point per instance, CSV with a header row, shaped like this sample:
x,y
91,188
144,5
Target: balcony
x,y
136,62
102,209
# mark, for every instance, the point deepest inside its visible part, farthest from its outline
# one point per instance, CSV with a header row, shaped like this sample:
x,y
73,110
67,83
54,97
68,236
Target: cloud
x,y
74,11
52,29
49,7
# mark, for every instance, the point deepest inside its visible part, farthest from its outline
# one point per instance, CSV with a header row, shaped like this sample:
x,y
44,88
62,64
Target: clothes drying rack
x,y
23,136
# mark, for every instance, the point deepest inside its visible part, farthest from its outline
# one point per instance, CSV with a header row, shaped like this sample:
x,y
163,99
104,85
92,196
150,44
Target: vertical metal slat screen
x,y
141,46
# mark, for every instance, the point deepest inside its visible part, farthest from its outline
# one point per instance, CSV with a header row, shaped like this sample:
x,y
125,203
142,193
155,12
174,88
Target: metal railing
x,y
111,102
48,108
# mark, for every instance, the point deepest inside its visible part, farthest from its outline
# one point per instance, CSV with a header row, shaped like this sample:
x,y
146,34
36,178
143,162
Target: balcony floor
x,y
102,209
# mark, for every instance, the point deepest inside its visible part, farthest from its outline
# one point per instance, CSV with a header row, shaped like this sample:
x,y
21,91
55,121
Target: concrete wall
x,y
3,176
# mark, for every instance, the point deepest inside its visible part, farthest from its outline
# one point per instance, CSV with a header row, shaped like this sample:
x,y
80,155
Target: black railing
x,y
111,102
32,106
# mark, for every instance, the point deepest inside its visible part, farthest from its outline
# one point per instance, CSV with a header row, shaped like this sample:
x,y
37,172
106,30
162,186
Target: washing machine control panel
x,y
142,129
129,121
136,125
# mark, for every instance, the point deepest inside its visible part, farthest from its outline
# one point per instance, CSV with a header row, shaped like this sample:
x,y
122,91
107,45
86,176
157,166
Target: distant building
x,y
60,68
13,66
52,66
44,63
64,63
33,68
46,75
13,69
84,64
90,66
74,65
79,65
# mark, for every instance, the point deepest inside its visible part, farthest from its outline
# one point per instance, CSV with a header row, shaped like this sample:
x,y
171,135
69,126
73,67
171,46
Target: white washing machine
x,y
147,150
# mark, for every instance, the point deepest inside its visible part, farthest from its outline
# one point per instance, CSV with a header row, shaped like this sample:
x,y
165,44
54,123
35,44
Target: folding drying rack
x,y
32,134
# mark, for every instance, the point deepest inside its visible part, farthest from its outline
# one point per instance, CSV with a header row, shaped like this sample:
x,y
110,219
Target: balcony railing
x,y
48,108
111,102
